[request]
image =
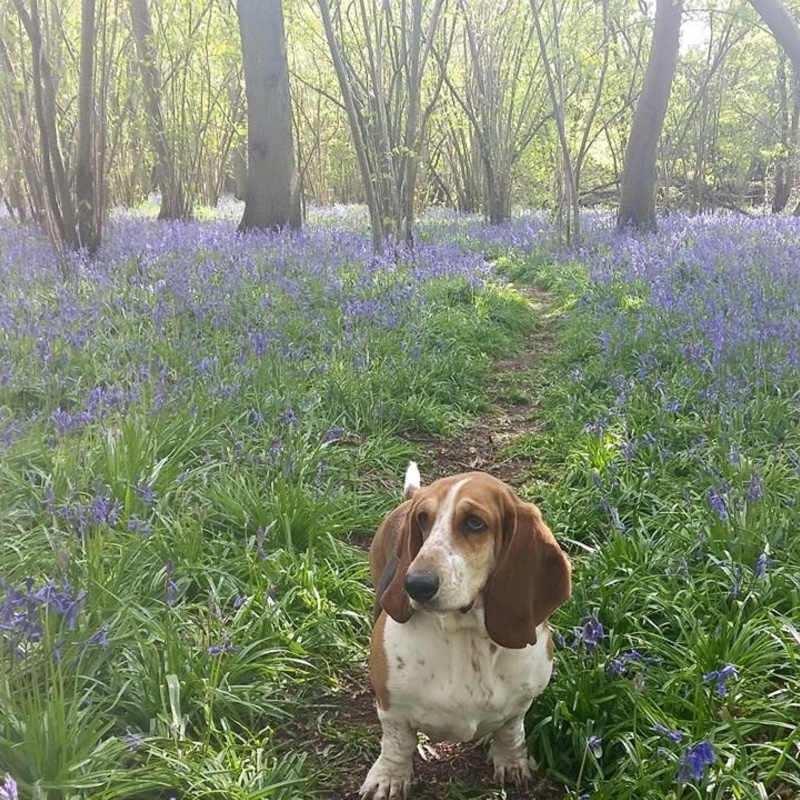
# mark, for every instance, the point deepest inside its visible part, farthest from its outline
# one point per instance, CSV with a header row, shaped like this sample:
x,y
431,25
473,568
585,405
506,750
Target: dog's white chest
x,y
447,678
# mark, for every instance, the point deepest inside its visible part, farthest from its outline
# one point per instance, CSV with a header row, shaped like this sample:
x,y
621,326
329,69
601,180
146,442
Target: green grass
x,y
625,478
178,590
193,537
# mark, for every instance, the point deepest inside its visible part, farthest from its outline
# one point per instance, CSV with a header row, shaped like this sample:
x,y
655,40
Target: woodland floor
x,y
342,732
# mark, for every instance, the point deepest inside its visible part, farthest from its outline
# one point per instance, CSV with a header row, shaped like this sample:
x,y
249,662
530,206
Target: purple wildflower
x,y
333,434
754,488
593,743
135,741
694,760
673,735
145,493
722,676
136,525
591,634
289,418
617,667
224,647
101,637
761,566
8,788
716,503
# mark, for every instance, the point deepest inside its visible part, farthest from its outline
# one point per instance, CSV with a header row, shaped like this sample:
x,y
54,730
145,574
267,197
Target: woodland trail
x,y
342,732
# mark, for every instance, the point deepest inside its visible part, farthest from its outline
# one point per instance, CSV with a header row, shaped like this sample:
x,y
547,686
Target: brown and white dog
x,y
466,576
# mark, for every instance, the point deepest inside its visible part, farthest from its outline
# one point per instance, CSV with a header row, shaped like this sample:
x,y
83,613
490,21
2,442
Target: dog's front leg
x,y
512,764
390,776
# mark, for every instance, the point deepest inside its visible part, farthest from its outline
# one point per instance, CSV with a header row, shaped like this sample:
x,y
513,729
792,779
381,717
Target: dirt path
x,y
346,730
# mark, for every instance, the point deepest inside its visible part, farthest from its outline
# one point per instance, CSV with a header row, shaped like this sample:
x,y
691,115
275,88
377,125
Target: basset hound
x,y
466,576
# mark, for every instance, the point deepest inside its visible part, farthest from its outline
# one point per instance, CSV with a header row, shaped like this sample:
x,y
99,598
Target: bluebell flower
x,y
722,676
591,634
761,566
101,637
333,434
737,580
289,418
136,525
716,503
754,487
8,788
617,667
694,760
135,741
673,735
145,493
224,647
594,741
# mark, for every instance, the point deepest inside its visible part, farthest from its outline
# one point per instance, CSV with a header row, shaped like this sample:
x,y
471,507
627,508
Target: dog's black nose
x,y
422,586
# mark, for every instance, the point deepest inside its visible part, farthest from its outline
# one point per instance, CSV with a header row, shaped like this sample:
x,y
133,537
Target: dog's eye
x,y
474,524
422,519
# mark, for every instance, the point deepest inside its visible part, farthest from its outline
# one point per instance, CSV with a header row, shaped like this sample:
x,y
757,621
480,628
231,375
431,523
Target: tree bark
x,y
355,129
61,213
173,199
270,156
86,202
783,27
637,206
783,163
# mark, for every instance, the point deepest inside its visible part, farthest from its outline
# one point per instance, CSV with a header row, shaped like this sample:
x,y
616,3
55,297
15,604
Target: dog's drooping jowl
x,y
466,575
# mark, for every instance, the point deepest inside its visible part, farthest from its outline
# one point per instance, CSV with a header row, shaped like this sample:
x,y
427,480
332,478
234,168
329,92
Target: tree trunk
x,y
173,198
60,209
270,157
783,27
87,210
376,220
637,205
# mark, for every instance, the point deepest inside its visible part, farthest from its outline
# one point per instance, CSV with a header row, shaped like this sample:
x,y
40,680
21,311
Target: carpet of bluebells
x,y
187,426
193,426
672,460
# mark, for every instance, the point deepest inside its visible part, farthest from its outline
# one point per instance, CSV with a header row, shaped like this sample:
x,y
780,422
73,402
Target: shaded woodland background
x,y
473,104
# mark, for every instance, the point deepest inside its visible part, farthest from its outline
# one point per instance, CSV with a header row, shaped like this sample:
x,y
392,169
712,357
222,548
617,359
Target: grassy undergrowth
x,y
670,462
190,428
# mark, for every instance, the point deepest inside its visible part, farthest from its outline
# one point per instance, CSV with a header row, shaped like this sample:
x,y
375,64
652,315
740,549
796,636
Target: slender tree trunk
x,y
173,199
555,88
355,129
270,157
637,205
60,210
88,220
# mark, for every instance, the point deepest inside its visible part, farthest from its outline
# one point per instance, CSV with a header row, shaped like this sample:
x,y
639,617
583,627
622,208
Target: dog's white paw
x,y
514,768
385,782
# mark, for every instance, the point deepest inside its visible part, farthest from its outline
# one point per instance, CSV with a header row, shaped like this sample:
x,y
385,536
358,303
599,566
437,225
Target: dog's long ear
x,y
394,600
532,577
